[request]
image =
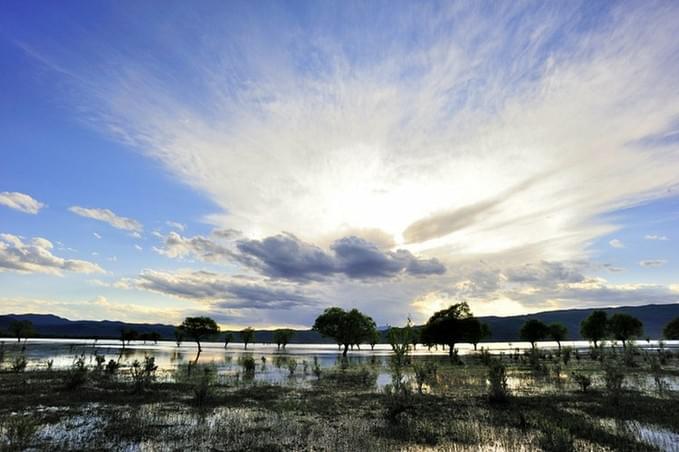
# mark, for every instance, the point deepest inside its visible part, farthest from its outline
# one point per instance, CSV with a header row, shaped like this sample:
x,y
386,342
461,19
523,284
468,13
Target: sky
x,y
258,162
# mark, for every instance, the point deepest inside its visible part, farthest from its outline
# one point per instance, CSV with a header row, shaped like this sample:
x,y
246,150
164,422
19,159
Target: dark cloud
x,y
285,256
221,290
544,274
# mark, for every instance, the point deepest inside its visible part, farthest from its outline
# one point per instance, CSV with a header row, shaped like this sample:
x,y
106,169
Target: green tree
x,y
21,329
671,330
624,327
595,327
476,331
558,332
448,327
247,335
128,335
533,330
346,327
282,336
155,336
228,337
198,328
374,338
178,336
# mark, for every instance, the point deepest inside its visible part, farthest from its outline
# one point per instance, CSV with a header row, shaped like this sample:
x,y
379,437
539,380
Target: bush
x,y
657,372
292,366
19,430
316,369
614,378
556,439
49,363
566,355
143,374
77,374
248,365
584,381
202,389
19,364
111,368
424,372
498,391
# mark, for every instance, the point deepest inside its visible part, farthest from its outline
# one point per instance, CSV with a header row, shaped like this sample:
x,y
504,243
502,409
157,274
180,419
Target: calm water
x,y
272,364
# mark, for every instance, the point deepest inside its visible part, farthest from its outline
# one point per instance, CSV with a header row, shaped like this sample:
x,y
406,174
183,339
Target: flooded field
x,y
307,397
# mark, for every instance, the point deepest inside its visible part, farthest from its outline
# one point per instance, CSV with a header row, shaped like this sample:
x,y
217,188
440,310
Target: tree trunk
x,y
199,349
346,349
451,349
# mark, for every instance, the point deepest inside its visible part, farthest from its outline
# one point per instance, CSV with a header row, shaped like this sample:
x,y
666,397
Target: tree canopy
x,y
247,335
346,327
558,332
624,327
198,328
671,330
21,329
448,327
476,331
282,336
533,330
595,327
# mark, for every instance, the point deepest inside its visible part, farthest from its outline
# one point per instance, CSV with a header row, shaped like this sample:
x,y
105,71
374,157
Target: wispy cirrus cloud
x,y
107,216
21,202
652,263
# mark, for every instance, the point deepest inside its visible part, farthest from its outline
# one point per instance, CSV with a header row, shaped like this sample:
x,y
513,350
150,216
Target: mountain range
x,y
653,316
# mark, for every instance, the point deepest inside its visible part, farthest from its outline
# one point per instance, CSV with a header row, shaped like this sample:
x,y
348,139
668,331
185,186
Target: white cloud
x,y
475,144
655,237
615,243
652,263
107,216
138,247
98,236
21,202
36,257
175,225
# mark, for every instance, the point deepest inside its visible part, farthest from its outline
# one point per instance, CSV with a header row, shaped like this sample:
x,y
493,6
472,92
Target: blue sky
x,y
258,162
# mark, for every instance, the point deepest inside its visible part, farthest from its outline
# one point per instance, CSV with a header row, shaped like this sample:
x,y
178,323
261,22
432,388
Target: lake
x,y
272,364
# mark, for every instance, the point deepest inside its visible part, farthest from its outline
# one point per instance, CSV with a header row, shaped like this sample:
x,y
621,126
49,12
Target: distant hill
x,y
654,318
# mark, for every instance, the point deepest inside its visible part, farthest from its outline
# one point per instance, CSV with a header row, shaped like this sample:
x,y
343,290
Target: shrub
x,y
424,372
498,391
316,369
305,367
111,368
556,439
566,355
248,365
49,363
19,430
77,374
202,389
584,381
19,364
484,356
100,360
656,370
143,374
614,378
292,366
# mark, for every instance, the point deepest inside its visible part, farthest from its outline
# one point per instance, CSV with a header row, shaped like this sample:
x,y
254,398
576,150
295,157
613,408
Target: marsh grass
x,y
345,410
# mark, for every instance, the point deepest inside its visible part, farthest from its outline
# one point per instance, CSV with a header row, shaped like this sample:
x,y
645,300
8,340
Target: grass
x,y
344,410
